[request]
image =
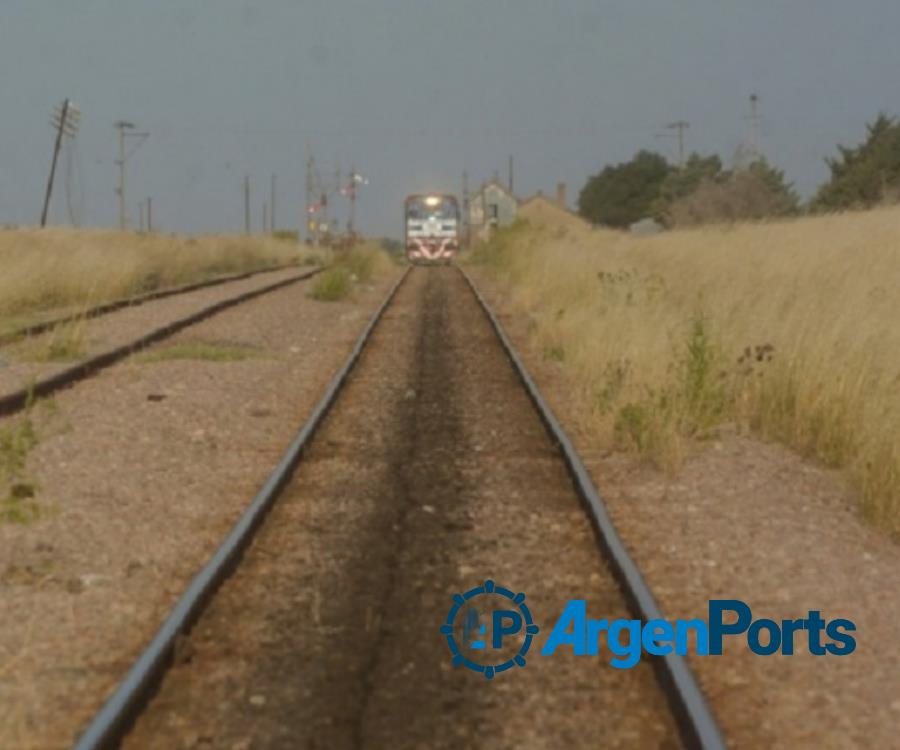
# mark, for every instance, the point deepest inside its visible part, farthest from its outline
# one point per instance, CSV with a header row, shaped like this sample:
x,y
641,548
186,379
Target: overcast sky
x,y
414,91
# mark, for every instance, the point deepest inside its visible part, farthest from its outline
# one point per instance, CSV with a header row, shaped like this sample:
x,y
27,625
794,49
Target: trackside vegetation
x,y
74,269
786,329
702,191
358,265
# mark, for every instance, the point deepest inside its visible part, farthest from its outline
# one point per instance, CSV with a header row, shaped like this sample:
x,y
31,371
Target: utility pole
x,y
149,214
66,123
680,127
120,191
310,189
247,204
465,197
510,174
351,216
122,126
272,205
141,216
265,217
336,192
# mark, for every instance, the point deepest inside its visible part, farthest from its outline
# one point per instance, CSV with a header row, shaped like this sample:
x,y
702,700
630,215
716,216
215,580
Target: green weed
x,y
201,350
332,285
63,344
555,353
17,489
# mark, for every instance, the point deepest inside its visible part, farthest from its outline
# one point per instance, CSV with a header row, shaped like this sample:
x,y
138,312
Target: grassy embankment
x,y
788,329
53,269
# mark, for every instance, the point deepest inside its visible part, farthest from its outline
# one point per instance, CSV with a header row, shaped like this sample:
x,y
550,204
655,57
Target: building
x,y
493,205
539,204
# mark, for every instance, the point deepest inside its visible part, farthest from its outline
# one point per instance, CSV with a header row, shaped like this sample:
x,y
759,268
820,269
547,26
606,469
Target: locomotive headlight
x,y
432,200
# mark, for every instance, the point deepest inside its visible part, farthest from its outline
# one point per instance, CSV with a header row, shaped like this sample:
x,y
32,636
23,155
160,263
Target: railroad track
x,y
430,463
15,401
96,311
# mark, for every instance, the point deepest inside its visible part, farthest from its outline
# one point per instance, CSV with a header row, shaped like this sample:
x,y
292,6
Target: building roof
x,y
497,184
541,207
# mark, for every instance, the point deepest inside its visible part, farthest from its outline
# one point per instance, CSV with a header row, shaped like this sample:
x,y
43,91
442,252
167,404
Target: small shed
x,y
493,205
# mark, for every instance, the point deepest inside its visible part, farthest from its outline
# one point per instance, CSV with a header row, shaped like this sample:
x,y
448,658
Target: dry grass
x,y
787,328
62,268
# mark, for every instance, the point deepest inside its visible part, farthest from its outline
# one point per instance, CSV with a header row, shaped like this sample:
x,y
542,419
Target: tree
x,y
758,192
700,192
680,183
782,198
623,193
868,174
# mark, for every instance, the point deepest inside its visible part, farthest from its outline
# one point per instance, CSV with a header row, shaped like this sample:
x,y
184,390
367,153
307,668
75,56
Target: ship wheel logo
x,y
512,629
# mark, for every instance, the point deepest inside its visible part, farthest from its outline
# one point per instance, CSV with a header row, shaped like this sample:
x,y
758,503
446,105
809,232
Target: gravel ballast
x,y
140,472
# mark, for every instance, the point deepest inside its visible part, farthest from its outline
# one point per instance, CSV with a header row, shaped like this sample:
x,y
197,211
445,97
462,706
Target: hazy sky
x,y
413,91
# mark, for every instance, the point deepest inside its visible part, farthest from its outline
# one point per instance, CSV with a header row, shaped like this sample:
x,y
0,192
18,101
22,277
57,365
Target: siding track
x,y
97,311
15,401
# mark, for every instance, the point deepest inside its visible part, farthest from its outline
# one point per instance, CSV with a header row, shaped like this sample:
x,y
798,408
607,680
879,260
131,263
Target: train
x,y
432,226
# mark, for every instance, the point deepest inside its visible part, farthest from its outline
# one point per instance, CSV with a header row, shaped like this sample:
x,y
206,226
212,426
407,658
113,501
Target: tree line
x,y
704,191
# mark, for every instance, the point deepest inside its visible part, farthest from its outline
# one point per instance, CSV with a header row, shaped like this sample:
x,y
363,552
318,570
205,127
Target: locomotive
x,y
432,227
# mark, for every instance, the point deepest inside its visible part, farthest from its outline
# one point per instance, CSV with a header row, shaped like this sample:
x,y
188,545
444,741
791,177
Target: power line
x,y
74,182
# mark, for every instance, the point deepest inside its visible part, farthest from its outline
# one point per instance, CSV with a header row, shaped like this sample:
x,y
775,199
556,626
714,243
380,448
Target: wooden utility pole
x,y
326,212
351,216
67,125
310,189
465,210
272,205
510,174
247,204
149,214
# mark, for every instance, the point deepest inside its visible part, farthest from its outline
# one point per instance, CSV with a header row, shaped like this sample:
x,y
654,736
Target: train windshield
x,y
431,207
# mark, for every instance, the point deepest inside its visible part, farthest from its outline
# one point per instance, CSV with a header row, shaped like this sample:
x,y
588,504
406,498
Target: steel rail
x,y
695,719
110,725
35,329
18,400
